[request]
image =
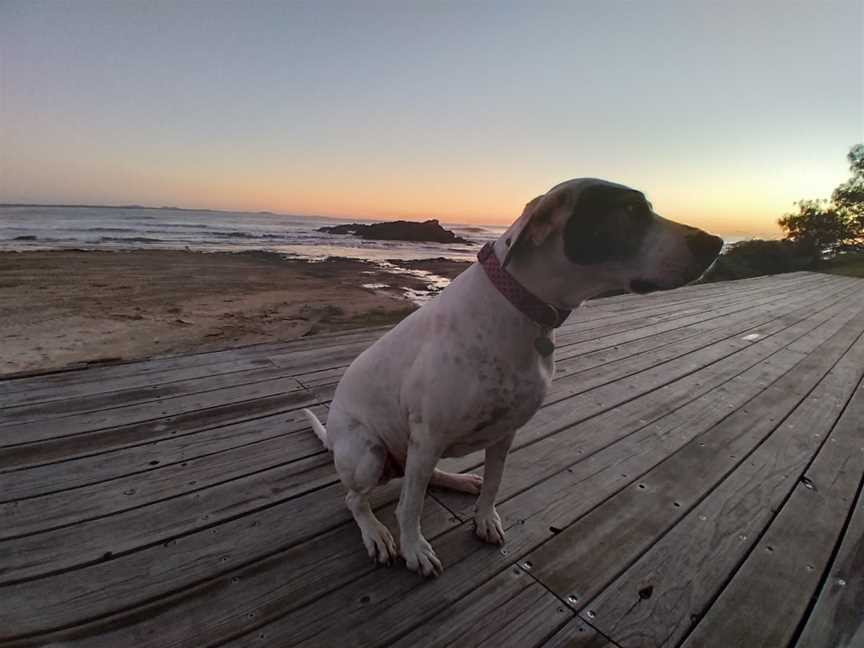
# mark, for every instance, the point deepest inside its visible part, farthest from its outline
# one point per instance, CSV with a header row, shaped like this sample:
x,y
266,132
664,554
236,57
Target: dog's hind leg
x,y
360,465
462,482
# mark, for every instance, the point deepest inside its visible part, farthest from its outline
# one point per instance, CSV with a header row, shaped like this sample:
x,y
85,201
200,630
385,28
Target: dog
x,y
469,368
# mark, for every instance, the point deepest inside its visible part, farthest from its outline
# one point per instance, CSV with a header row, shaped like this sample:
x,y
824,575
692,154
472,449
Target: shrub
x,y
759,257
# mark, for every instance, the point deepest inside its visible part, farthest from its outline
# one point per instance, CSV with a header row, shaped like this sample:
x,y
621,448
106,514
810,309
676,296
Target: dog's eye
x,y
639,211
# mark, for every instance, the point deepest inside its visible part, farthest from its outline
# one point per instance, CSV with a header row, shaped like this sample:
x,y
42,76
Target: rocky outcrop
x,y
429,230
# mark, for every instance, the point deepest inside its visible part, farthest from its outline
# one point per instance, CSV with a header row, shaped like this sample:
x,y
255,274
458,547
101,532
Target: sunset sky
x,y
723,112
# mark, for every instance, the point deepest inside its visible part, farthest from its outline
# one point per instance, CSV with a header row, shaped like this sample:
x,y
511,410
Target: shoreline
x,y
62,308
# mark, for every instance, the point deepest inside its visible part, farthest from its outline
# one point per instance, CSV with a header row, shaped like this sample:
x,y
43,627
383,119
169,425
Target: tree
x,y
823,228
849,197
816,228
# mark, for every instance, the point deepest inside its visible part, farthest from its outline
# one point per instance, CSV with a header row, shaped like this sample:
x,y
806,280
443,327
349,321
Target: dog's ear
x,y
533,226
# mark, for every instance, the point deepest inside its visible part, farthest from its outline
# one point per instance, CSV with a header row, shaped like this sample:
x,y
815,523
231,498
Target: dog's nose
x,y
704,247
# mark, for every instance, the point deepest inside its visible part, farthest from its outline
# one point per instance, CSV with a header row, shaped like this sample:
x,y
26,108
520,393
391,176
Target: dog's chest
x,y
499,408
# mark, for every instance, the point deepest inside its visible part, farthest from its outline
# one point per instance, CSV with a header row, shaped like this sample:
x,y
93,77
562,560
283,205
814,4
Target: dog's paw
x,y
420,557
462,482
488,528
380,544
467,483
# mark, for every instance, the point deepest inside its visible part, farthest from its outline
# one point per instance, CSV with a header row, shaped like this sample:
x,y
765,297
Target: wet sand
x,y
67,308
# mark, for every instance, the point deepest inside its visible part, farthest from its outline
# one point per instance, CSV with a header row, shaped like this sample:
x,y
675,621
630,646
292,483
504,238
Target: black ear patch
x,y
608,224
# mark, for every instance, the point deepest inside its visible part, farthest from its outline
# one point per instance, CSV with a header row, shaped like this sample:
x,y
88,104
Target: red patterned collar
x,y
523,299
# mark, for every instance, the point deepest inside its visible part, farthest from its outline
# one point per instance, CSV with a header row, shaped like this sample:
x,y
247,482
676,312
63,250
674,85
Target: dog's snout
x,y
704,247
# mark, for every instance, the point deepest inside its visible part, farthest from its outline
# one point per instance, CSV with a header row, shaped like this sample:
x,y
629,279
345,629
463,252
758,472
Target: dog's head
x,y
608,234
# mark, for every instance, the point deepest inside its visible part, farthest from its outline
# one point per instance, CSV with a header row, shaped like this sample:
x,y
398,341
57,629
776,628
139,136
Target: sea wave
x,y
130,239
247,235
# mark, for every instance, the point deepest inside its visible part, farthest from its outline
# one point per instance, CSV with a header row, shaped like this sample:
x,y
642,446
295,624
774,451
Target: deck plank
x,y
86,387
155,394
509,609
102,377
150,431
577,634
836,620
21,433
46,479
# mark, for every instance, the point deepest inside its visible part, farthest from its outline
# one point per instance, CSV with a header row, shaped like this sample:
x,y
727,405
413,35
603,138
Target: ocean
x,y
119,228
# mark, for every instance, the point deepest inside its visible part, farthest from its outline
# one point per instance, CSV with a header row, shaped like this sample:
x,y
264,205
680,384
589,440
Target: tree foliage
x,y
826,228
848,198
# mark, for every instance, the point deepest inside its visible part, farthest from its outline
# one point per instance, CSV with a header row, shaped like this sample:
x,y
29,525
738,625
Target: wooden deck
x,y
694,478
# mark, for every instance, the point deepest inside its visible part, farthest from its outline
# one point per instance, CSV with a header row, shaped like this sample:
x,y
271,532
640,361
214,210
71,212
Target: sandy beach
x,y
67,308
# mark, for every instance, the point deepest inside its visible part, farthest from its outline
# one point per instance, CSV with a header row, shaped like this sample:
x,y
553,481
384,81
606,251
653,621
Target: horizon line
x,y
234,211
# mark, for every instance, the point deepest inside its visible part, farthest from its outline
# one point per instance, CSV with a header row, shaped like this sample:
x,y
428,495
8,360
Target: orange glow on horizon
x,y
730,206
738,218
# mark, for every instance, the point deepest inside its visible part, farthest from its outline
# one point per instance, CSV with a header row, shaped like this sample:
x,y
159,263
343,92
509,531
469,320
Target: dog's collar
x,y
523,299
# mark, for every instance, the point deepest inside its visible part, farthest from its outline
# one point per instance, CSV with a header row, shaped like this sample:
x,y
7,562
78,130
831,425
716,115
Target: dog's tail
x,y
317,427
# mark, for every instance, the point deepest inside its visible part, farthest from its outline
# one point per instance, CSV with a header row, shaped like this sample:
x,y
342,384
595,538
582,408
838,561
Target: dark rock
x,y
429,230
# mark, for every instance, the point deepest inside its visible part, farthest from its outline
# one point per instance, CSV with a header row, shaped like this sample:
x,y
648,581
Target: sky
x,y
723,112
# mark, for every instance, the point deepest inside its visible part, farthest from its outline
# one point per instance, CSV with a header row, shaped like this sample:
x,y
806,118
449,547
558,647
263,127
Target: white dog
x,y
469,368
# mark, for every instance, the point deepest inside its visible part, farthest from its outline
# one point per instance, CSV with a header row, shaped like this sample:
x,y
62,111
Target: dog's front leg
x,y
487,522
423,455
